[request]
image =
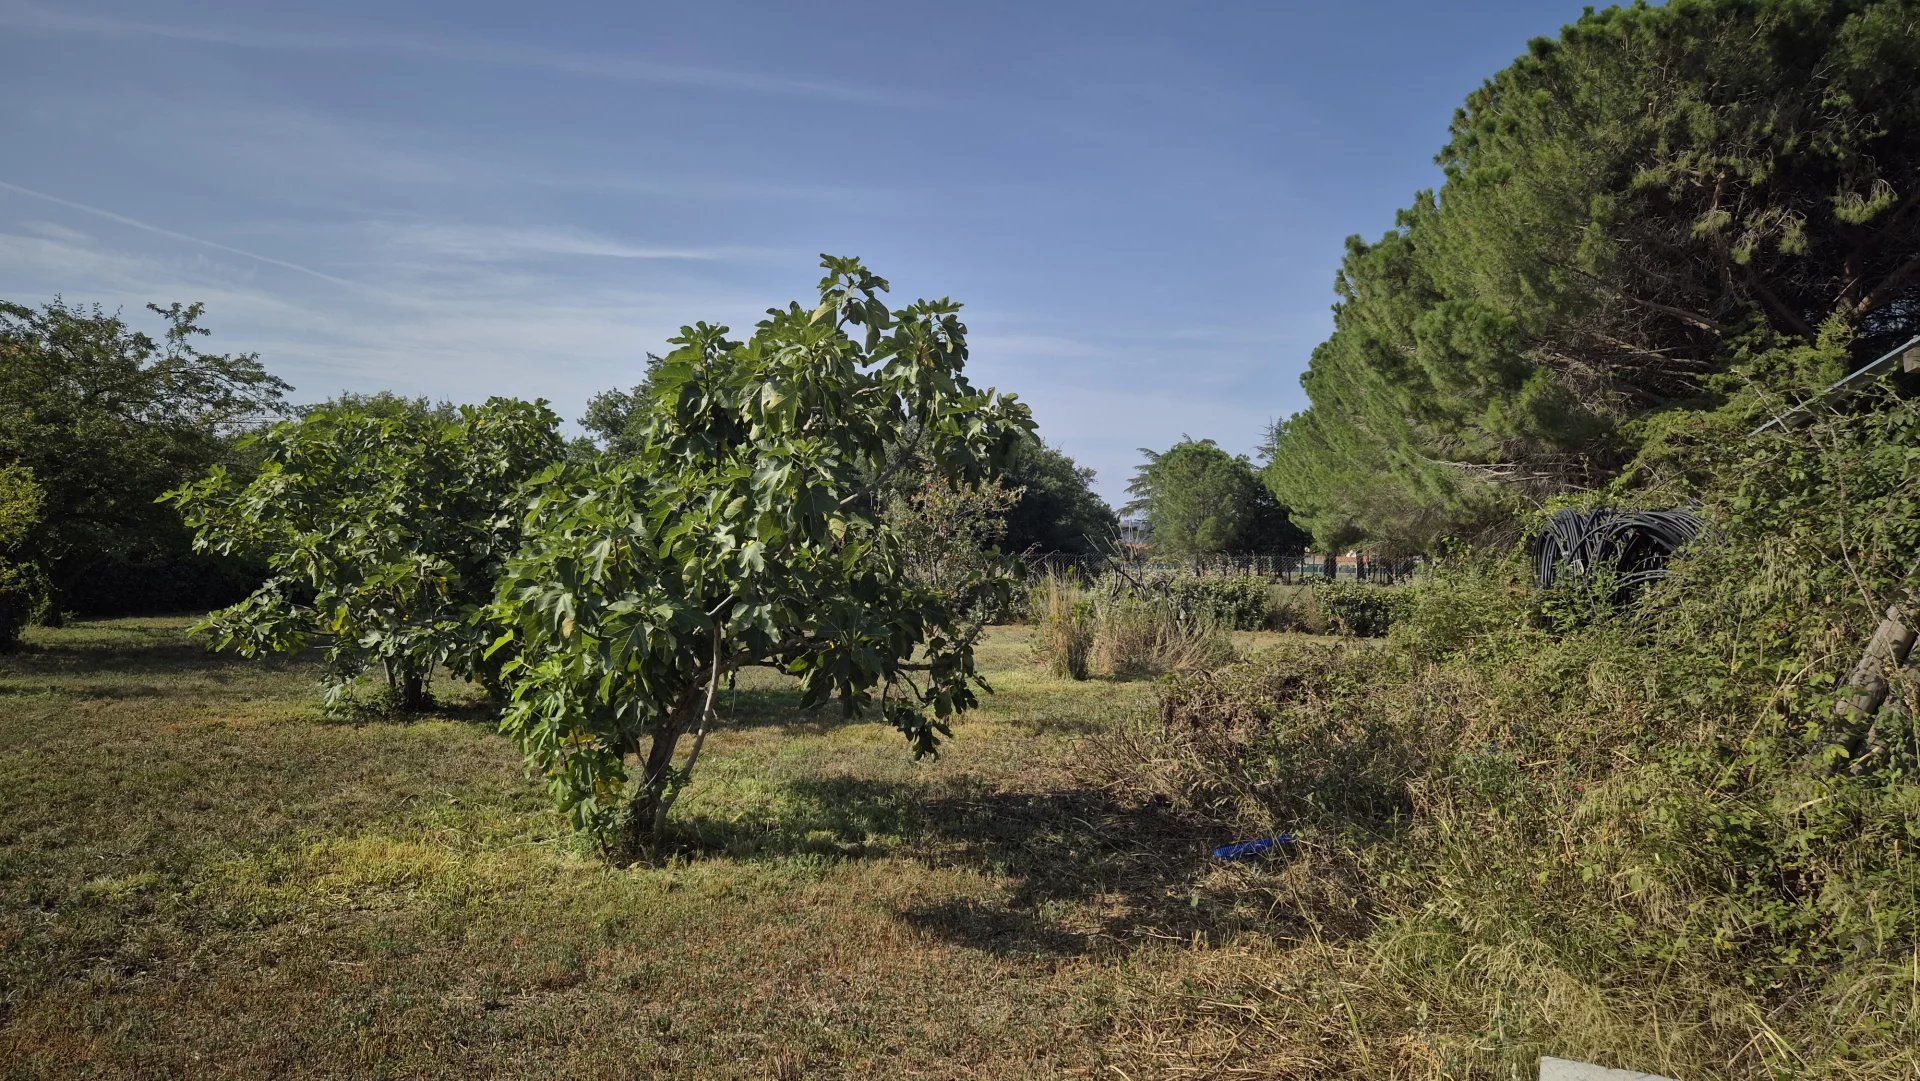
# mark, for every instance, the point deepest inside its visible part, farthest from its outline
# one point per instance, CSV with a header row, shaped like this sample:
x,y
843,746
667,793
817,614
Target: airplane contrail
x,y
135,223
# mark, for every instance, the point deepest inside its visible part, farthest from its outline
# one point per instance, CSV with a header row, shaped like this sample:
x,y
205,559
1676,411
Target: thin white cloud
x,y
326,161
55,231
34,17
466,336
493,243
172,234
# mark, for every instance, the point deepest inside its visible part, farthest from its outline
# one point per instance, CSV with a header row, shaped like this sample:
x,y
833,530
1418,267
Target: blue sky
x,y
1142,205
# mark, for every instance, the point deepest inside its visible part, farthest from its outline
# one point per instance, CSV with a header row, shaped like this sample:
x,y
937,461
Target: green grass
x,y
202,876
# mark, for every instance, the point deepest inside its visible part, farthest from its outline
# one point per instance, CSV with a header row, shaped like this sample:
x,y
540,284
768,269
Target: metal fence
x,y
1287,567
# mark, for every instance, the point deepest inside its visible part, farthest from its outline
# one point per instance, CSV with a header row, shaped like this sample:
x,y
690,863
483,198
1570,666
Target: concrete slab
x,y
1560,1069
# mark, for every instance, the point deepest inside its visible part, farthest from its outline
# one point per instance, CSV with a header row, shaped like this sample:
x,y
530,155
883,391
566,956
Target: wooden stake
x,y
1867,688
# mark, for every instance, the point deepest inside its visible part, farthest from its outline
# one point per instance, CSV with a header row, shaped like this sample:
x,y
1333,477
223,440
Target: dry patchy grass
x,y
202,876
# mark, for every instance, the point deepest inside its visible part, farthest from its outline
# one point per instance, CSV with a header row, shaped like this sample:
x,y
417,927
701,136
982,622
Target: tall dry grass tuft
x,y
1151,636
1106,631
1062,614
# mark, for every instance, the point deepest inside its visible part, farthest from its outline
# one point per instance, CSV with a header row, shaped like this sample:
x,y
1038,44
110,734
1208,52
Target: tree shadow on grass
x,y
780,707
474,711
1087,873
151,653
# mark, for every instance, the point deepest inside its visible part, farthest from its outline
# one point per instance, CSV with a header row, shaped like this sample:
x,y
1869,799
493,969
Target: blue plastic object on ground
x,y
1242,849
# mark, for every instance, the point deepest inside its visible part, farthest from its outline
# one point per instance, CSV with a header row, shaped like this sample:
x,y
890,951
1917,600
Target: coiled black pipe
x,y
1633,545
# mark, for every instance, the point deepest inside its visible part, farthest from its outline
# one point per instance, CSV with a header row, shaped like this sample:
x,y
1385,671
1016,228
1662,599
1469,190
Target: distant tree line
x,y
97,420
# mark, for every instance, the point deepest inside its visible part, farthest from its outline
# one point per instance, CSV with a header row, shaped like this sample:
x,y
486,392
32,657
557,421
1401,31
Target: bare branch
x,y
1888,286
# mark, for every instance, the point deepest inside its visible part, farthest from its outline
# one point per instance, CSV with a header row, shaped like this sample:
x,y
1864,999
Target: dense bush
x,y
386,527
1622,825
1274,728
1253,603
21,587
950,537
1358,609
1242,602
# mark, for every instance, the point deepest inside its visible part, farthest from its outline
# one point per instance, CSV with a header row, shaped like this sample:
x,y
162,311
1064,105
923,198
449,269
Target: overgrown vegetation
x,y
1628,822
1110,630
1359,609
1238,602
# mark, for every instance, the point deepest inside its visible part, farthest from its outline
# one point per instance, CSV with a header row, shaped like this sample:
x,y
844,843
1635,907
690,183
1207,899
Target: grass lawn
x,y
202,876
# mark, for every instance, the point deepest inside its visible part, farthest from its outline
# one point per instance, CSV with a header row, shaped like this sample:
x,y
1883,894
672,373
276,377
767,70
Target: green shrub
x,y
1253,603
22,586
1241,602
1468,600
386,530
1359,609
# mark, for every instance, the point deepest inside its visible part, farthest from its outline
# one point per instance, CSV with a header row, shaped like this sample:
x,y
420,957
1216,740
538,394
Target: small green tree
x,y
385,531
747,527
1199,499
21,583
616,419
950,538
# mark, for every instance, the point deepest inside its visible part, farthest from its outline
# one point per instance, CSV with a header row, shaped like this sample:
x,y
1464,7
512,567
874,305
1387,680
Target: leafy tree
x,y
107,419
1653,212
748,527
21,583
1199,499
383,403
951,535
385,532
1053,509
1056,509
617,419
